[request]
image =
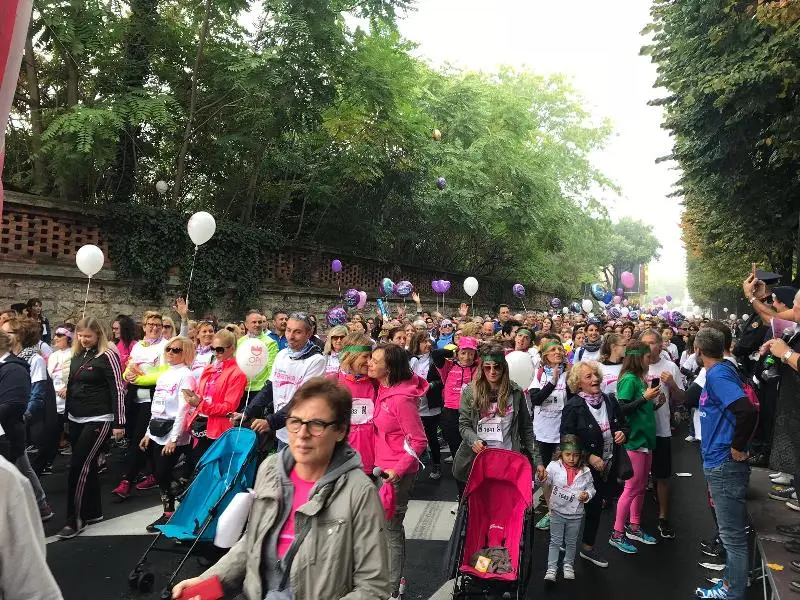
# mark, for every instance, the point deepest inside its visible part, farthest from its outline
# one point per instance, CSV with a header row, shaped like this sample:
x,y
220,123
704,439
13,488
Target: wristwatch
x,y
752,298
788,355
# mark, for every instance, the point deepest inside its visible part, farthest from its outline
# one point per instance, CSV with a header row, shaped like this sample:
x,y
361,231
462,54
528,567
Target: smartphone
x,y
655,382
754,270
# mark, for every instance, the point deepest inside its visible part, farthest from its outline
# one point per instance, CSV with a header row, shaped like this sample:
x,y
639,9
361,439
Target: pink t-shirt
x,y
301,490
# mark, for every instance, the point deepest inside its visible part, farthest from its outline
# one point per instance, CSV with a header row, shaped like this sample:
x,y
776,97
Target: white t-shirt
x,y
288,375
663,425
147,357
547,417
168,403
38,368
494,429
421,365
201,361
584,354
672,349
58,367
332,364
608,385
600,415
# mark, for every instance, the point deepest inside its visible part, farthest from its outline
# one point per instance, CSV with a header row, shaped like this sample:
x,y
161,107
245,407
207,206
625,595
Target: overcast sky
x,y
597,45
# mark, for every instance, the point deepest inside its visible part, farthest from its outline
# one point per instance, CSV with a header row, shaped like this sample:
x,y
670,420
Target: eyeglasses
x,y
153,325
174,350
220,349
316,427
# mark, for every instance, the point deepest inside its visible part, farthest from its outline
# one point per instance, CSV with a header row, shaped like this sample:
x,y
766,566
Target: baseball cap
x,y
468,343
785,294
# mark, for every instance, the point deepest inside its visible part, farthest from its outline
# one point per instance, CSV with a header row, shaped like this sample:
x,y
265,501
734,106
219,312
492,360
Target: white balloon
x,y
520,368
89,259
233,519
745,317
201,227
471,286
565,310
624,311
161,186
725,309
252,356
732,317
587,305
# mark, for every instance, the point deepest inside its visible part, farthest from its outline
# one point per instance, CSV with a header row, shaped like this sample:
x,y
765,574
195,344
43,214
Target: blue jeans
x,y
563,531
728,484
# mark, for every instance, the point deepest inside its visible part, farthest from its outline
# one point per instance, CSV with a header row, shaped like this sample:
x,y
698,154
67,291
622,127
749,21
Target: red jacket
x,y
226,395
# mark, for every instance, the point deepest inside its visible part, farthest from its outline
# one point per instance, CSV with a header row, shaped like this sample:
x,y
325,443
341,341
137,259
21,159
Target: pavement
x,y
95,565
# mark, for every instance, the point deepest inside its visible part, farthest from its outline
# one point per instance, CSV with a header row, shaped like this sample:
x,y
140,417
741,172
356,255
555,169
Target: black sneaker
x,y
785,494
665,530
594,557
70,531
713,548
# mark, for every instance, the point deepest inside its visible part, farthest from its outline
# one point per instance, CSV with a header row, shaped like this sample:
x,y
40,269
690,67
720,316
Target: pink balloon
x,y
627,279
362,300
616,300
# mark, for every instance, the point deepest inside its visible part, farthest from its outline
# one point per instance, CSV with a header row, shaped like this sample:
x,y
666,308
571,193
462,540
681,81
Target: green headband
x,y
357,349
570,447
495,358
550,344
637,352
523,331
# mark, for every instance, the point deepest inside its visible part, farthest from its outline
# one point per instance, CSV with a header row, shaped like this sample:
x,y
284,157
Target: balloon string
x,y
86,299
230,462
191,275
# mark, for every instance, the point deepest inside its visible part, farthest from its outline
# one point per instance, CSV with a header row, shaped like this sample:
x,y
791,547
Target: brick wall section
x,y
45,234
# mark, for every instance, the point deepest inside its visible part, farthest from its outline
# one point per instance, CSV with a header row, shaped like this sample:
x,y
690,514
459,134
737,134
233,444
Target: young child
x,y
572,487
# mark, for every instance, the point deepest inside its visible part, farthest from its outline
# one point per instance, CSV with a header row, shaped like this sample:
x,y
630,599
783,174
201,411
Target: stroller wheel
x,y
166,593
134,577
146,582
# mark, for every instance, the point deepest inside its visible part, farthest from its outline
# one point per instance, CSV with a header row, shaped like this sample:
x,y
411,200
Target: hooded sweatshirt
x,y
397,420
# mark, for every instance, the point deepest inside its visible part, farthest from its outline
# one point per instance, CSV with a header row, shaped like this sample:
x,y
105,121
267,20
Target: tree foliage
x,y
732,73
314,131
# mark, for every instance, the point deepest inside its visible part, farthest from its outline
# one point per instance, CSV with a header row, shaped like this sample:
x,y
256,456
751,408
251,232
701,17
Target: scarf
x,y
589,347
203,349
593,400
295,355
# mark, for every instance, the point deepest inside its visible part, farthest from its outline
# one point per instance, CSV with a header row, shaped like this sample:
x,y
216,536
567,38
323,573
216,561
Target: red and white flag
x,y
15,15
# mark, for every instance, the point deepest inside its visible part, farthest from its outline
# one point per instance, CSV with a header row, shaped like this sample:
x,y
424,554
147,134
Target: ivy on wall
x,y
146,243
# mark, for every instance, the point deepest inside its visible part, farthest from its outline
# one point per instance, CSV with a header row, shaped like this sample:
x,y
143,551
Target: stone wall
x,y
39,238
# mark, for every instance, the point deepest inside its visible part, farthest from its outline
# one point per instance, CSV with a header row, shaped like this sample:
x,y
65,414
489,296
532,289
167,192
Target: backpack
x,y
752,397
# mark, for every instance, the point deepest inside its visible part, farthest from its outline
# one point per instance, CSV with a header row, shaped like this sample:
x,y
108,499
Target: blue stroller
x,y
227,468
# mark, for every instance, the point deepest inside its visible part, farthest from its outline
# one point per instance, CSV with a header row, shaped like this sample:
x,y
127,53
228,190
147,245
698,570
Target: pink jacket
x,y
362,435
397,420
455,378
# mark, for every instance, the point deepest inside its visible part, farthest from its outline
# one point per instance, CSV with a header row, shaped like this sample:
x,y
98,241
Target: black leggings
x,y
546,451
449,422
165,464
139,419
431,424
594,508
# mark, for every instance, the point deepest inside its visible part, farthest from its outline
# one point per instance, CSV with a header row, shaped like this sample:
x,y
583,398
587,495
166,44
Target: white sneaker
x,y
689,438
774,475
783,479
569,572
550,575
793,504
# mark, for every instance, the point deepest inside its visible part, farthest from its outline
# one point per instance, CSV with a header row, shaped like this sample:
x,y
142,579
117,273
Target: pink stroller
x,y
491,550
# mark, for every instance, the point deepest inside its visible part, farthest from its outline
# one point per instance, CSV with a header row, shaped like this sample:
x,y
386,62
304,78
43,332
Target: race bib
x,y
564,500
553,404
490,429
362,412
159,405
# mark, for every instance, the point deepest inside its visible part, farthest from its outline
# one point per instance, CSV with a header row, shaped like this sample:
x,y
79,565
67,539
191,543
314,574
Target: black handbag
x,y
198,429
622,463
161,427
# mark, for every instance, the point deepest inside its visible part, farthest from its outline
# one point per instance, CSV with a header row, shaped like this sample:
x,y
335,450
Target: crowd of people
x,y
351,415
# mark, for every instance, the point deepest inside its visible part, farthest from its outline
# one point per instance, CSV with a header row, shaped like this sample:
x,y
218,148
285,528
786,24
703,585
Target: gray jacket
x,y
344,554
468,416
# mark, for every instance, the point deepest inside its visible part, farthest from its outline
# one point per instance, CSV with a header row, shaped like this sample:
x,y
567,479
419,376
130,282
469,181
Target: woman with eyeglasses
x,y
166,438
204,352
315,529
218,393
493,414
400,439
353,367
333,347
141,374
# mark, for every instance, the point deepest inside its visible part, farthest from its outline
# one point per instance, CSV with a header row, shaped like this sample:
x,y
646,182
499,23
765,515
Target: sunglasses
x,y
492,368
337,337
168,327
220,349
175,350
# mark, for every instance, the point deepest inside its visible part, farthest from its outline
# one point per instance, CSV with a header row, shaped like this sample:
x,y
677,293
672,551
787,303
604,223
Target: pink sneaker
x,y
123,490
148,483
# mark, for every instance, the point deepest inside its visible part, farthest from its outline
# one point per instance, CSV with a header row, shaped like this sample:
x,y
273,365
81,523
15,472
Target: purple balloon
x,y
351,297
614,313
519,290
445,286
336,265
441,183
555,303
404,288
619,291
336,316
668,298
435,286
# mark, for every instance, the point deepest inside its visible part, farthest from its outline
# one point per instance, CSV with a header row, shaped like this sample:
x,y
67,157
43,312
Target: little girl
x,y
572,487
